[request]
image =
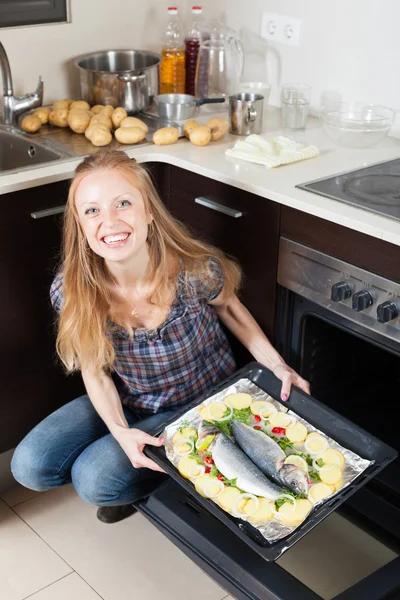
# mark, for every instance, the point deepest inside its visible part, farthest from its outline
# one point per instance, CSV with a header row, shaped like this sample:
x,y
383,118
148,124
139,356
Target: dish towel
x,y
274,152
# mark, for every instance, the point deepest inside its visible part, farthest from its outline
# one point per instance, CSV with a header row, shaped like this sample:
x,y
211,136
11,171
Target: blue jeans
x,y
73,444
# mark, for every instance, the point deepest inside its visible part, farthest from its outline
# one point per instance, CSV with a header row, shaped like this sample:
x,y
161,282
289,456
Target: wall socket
x,y
280,29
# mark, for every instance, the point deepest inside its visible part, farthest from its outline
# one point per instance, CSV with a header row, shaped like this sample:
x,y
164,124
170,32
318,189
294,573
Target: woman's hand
x,y
289,377
133,441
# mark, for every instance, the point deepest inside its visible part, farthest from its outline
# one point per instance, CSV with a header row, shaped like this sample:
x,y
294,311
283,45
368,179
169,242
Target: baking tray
x,y
317,414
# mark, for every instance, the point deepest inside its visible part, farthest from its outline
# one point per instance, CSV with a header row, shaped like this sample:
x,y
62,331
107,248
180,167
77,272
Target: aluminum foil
x,y
272,529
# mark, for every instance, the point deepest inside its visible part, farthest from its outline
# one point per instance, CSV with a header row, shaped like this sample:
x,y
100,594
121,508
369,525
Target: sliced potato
x,y
182,447
218,127
205,414
297,433
205,481
280,419
186,465
338,485
296,516
239,400
316,443
332,475
31,123
43,114
264,511
188,126
165,136
129,135
134,122
200,136
217,410
319,491
227,497
333,457
262,406
186,433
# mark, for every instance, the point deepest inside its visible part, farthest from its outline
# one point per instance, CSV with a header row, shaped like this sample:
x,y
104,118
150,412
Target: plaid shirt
x,y
166,368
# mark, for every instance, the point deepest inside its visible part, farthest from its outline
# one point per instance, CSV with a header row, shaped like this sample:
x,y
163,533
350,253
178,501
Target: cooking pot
x,y
127,78
179,107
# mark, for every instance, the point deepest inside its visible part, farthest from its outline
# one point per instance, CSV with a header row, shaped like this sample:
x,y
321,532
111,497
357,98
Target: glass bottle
x,y
192,44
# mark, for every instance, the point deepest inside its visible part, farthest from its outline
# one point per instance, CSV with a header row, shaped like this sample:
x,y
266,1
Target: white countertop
x,y
276,184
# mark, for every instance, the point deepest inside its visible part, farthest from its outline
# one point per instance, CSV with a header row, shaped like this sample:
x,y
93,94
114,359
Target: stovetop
x,y
375,188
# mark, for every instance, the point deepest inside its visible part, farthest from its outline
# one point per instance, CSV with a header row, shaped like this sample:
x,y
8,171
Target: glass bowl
x,y
356,125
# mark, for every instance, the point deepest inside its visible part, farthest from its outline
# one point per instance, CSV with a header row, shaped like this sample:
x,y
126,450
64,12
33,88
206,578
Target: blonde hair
x,y
85,317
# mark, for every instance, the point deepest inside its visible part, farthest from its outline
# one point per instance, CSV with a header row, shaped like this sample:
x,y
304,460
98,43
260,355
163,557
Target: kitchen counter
x,y
276,184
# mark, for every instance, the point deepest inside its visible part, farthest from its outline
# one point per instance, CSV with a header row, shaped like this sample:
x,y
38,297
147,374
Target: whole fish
x,y
269,457
232,462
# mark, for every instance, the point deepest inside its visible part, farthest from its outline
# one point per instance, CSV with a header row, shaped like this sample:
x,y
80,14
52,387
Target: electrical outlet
x,y
280,29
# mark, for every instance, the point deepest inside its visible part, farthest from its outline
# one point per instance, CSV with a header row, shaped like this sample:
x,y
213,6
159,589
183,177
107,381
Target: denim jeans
x,y
73,444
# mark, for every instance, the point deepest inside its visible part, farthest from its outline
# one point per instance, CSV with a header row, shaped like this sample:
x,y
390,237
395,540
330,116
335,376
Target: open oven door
x,y
242,572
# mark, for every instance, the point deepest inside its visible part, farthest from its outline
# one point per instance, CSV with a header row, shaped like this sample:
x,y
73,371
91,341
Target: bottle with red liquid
x,y
192,44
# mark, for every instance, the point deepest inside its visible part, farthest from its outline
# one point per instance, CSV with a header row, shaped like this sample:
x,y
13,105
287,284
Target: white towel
x,y
271,153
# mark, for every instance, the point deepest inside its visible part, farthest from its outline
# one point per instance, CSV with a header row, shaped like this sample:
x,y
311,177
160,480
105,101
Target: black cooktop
x,y
375,188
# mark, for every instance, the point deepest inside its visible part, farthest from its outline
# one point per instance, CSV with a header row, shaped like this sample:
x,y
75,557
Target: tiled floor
x,y
52,547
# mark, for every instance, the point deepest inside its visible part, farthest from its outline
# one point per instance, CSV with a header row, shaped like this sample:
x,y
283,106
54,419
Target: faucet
x,y
14,106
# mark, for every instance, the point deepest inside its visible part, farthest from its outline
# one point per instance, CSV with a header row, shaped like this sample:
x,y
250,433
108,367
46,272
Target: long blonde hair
x,y
87,303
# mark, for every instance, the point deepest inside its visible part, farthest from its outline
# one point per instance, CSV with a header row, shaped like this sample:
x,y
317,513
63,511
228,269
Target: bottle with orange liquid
x,y
172,70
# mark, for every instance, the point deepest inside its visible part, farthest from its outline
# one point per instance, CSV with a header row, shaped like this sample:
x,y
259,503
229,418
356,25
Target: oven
x,y
352,362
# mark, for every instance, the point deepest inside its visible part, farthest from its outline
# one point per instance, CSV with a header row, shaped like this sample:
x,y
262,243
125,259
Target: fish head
x,y
294,478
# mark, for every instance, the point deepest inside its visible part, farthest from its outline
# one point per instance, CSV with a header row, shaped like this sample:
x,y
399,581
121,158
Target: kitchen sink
x,y
18,151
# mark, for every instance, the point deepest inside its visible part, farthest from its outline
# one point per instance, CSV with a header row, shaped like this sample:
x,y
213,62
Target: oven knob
x,y
340,291
386,312
362,300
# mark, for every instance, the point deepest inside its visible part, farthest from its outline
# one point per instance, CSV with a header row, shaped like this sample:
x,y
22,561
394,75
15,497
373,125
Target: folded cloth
x,y
276,151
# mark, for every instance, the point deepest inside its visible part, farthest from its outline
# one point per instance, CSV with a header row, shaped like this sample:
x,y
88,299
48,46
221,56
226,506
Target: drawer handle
x,y
48,212
231,212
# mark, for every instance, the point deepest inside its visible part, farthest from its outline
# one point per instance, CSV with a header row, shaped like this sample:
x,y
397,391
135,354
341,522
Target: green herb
x,y
184,424
280,501
225,427
196,457
314,476
214,471
320,462
243,415
230,481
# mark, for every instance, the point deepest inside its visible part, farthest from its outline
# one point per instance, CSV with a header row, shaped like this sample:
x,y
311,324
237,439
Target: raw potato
x,y
79,104
200,136
43,114
186,433
218,127
302,509
280,419
107,110
264,511
182,448
246,507
217,410
31,123
59,117
189,126
201,482
129,135
333,457
78,120
227,498
239,401
315,443
262,406
297,433
319,491
134,122
101,137
97,108
186,465
117,116
103,119
332,475
165,136
62,104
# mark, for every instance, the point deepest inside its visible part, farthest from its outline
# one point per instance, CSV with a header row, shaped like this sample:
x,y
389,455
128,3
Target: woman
x,y
139,302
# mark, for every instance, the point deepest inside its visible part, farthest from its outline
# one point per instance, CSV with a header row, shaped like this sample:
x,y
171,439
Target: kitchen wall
x,y
351,47
47,50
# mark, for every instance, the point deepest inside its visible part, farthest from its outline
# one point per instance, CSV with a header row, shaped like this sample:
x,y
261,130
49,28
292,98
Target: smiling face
x,y
113,216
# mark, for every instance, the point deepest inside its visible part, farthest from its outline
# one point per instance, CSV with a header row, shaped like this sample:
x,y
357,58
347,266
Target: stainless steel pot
x,y
179,107
127,78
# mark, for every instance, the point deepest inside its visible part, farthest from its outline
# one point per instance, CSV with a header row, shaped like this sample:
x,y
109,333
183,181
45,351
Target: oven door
x,y
247,576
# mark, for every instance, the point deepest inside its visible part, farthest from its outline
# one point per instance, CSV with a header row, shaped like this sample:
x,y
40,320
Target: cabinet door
x,y
241,224
32,383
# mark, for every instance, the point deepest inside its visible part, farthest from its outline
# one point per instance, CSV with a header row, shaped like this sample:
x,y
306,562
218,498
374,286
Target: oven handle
x,y
377,586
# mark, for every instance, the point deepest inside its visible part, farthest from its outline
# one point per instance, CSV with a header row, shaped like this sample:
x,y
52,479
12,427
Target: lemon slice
x,y
295,459
315,444
332,475
186,432
296,433
239,401
281,419
333,457
203,443
263,409
319,491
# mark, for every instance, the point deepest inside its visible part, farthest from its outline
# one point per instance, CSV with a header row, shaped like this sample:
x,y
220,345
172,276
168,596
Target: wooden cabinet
x,y
242,225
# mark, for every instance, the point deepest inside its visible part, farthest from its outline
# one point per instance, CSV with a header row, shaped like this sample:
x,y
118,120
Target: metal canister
x,y
245,113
